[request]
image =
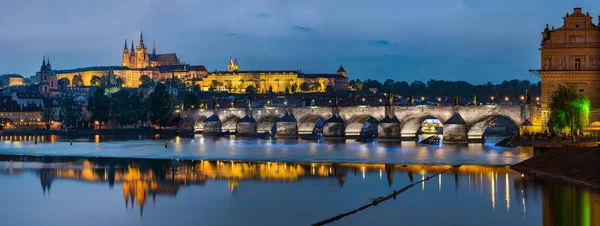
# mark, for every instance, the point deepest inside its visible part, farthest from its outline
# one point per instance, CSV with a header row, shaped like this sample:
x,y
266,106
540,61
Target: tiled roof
x,y
322,76
169,58
95,68
30,96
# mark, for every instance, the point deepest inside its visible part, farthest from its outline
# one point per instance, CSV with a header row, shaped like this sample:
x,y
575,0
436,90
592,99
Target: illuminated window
x,y
577,64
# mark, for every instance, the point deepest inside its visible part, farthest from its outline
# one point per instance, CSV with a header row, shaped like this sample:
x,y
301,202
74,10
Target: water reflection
x,y
142,180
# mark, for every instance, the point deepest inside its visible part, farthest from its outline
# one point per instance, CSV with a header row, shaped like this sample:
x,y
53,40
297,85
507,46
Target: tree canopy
x,y
160,106
569,108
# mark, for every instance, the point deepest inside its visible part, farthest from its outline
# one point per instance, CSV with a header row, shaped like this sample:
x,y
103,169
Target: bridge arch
x,y
307,123
410,126
355,124
476,129
229,123
199,123
265,123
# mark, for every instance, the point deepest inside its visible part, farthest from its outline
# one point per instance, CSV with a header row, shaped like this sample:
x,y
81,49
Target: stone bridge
x,y
462,123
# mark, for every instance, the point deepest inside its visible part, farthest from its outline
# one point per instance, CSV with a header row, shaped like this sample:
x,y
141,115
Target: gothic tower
x,y
141,54
230,66
125,61
235,65
132,56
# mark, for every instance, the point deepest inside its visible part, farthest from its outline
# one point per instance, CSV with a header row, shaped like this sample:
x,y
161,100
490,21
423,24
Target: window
x,y
577,64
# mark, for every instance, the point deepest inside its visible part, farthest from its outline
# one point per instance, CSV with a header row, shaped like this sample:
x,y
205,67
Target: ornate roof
x,y
341,69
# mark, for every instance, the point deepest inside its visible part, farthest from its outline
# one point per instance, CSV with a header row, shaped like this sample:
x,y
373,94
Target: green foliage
x,y
63,83
250,89
146,82
305,87
569,108
160,106
99,106
70,111
77,80
189,100
96,81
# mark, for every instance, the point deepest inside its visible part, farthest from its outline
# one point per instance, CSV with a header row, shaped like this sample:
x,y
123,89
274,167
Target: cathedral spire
x,y
125,48
132,52
141,39
48,64
153,47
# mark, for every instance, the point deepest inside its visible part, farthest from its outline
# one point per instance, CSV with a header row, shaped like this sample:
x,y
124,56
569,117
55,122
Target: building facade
x,y
136,62
286,81
570,55
48,80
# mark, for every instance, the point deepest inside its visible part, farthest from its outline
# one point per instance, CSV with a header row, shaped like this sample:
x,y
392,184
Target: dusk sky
x,y
471,40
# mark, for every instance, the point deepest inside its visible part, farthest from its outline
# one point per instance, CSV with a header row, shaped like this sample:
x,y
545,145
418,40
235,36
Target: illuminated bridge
x,y
460,124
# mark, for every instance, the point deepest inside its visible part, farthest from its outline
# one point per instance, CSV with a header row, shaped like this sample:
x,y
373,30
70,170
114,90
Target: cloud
x,y
380,42
263,15
302,28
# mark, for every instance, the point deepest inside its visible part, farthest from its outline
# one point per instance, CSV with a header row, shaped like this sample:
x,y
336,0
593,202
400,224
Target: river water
x,y
202,181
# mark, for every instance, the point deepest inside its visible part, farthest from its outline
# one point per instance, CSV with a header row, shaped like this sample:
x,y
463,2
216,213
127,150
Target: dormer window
x,y
577,64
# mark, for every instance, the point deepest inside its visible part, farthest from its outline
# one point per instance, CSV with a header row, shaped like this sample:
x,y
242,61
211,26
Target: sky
x,y
470,40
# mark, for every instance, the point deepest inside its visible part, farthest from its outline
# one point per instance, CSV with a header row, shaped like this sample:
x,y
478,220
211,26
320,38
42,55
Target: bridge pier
x,y
212,126
334,128
389,128
246,127
286,127
455,130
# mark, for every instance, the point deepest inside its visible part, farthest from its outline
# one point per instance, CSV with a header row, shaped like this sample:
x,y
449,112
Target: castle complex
x,y
570,55
136,61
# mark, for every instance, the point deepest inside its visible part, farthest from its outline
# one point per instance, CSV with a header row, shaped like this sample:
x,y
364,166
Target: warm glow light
x,y
522,98
492,98
505,98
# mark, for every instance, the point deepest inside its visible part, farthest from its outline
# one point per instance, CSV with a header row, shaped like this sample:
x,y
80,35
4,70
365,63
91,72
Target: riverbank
x,y
580,166
139,131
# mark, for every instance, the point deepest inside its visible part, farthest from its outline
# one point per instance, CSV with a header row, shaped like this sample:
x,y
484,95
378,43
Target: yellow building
x,y
236,81
11,80
570,55
135,63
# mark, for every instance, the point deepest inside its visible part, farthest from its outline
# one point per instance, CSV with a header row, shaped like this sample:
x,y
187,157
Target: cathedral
x,y
139,57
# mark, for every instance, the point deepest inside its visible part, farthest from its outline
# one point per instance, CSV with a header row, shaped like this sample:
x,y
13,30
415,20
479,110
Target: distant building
x,y
11,80
570,55
135,63
15,116
48,80
236,81
28,99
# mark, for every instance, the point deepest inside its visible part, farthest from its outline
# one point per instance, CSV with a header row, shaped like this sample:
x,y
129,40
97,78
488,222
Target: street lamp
x,y
505,98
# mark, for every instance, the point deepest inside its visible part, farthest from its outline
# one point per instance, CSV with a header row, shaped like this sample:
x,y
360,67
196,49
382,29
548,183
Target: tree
x,y
160,106
189,100
270,89
146,82
63,83
250,89
99,106
305,87
287,90
358,85
77,80
122,108
569,108
214,84
121,82
96,81
294,88
70,111
138,109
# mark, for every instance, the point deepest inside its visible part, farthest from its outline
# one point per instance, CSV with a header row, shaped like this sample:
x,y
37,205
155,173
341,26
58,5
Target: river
x,y
202,181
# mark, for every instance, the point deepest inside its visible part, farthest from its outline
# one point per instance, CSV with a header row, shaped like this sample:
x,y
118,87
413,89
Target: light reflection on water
x,y
155,192
199,147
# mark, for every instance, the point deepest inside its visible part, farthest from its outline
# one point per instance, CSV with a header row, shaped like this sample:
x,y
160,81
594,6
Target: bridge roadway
x,y
402,122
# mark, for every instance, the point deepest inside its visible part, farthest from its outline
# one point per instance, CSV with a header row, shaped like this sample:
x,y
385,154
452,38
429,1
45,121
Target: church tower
x,y
341,71
141,54
125,61
230,66
235,65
